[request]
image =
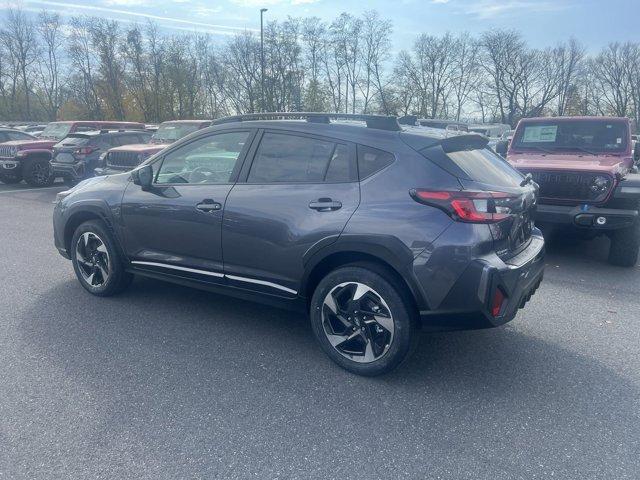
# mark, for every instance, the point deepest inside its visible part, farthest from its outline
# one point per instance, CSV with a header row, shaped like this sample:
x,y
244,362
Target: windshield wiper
x,y
581,149
536,147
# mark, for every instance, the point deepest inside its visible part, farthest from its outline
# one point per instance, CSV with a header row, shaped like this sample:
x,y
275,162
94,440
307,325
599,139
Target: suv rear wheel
x,y
37,172
362,321
97,260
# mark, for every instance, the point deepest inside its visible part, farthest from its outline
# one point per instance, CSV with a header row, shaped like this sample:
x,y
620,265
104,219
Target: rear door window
x,y
288,158
371,160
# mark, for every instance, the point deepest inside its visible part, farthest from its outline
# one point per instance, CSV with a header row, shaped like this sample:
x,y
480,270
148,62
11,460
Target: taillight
x,y
469,206
84,150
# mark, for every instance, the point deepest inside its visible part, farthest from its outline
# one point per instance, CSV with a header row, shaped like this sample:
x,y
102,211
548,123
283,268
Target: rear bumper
x,y
587,217
470,302
74,171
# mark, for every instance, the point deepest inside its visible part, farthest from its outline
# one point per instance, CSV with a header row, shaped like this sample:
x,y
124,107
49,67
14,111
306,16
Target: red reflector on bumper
x,y
498,300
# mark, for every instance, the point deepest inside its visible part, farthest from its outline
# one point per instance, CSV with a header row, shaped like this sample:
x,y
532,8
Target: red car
x,y
584,169
28,160
122,159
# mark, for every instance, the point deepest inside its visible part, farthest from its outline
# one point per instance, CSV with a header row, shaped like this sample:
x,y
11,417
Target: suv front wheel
x,y
362,321
97,260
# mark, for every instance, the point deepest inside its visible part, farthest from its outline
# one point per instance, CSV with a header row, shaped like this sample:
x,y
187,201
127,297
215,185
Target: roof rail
x,y
408,120
379,122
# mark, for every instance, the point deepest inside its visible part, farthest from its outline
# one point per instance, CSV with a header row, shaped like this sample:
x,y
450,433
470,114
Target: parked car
x,y
443,124
7,174
369,229
79,154
29,159
582,165
122,159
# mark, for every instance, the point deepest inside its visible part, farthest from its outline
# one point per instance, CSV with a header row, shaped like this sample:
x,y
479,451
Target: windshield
x,y
73,140
56,131
589,136
170,132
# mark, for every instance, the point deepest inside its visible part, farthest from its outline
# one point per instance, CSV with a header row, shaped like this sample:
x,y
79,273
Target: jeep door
x,y
174,227
294,197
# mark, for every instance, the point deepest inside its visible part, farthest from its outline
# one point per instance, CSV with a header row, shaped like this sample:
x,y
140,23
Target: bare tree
x,y
83,62
20,42
50,79
569,59
376,43
466,71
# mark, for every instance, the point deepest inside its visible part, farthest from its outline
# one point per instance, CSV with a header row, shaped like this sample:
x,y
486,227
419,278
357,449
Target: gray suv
x,y
374,229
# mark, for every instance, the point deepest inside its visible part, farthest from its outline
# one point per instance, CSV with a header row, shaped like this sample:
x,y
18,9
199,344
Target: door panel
x,y
166,226
268,228
300,190
175,226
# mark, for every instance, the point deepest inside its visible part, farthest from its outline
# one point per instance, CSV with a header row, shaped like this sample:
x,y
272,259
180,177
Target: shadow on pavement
x,y
182,371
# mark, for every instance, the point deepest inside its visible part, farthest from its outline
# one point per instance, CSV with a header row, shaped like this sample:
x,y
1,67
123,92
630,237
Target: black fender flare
x,y
386,248
95,208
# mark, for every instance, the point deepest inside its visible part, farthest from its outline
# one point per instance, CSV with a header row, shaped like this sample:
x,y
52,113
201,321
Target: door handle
x,y
208,205
325,205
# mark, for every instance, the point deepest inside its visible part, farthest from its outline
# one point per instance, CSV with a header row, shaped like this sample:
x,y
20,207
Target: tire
x,y
37,172
625,245
10,179
389,340
97,260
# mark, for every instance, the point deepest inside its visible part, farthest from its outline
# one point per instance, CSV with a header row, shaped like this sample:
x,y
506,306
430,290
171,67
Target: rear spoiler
x,y
464,142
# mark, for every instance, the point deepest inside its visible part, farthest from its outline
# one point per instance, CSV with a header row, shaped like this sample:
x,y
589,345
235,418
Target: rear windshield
x,y
73,140
56,131
580,135
170,132
484,166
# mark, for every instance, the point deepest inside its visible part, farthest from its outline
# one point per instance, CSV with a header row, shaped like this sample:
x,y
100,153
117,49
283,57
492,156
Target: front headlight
x,y
599,186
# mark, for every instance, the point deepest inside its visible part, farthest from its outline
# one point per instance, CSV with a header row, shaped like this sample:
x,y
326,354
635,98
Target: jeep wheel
x,y
10,179
37,173
97,260
625,245
362,321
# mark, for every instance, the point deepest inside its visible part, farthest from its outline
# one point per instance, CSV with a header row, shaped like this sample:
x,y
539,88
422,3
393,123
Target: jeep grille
x,y
122,160
8,151
570,187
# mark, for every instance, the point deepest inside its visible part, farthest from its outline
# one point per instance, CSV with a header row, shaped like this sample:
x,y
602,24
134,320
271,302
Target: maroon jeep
x,y
122,159
28,160
583,166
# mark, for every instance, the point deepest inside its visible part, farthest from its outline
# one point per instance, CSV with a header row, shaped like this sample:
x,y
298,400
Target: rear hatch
x,y
71,148
492,191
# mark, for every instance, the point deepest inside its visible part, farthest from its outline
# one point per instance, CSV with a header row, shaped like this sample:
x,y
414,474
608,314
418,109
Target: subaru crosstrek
x,y
374,229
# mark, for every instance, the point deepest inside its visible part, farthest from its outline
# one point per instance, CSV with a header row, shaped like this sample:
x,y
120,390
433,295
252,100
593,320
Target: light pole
x,y
262,103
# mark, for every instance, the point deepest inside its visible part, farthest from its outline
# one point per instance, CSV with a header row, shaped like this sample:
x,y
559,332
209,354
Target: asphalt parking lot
x,y
168,382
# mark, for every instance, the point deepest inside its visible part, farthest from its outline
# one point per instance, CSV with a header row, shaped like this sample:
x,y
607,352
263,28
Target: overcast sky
x,y
541,22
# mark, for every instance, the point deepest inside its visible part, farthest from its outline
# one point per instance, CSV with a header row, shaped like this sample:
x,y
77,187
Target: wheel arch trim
x,y
385,249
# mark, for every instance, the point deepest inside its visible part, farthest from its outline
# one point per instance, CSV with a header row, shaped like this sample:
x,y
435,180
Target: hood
x,y
575,162
31,144
140,148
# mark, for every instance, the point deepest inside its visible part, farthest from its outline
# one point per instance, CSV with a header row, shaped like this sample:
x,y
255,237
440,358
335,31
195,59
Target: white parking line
x,y
33,189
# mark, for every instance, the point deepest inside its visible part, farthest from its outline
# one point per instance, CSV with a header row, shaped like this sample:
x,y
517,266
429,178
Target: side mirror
x,y
143,176
501,148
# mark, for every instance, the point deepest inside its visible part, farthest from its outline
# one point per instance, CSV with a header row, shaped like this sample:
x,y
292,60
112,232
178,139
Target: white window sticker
x,y
540,133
